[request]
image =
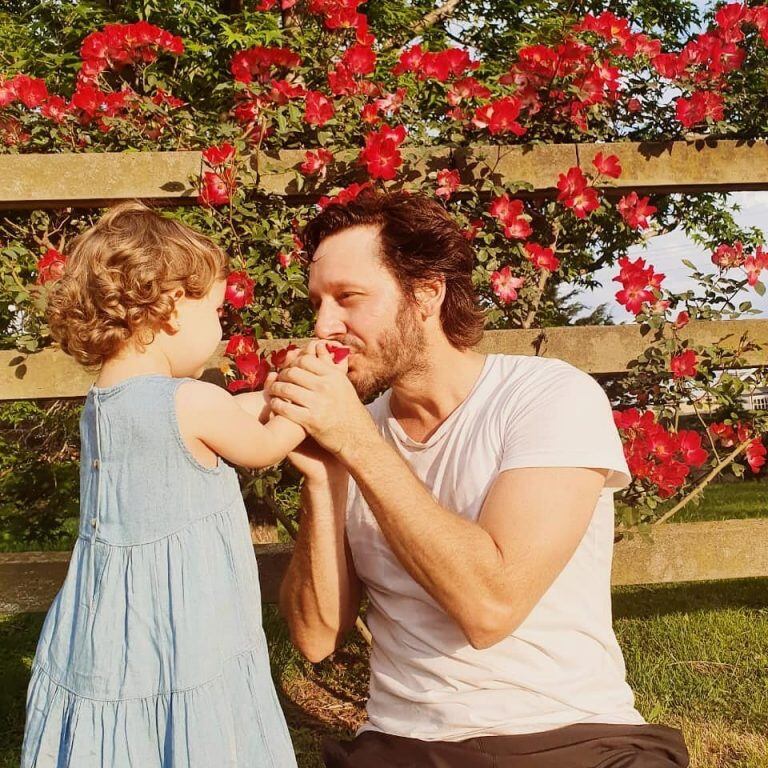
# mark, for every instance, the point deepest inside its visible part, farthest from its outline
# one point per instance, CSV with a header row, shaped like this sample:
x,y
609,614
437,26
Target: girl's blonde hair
x,y
119,278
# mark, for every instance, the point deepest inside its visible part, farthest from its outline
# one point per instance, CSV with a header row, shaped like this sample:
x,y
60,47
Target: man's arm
x,y
487,575
320,594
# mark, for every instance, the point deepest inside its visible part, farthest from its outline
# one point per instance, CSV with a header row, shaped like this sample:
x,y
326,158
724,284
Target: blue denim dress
x,y
152,654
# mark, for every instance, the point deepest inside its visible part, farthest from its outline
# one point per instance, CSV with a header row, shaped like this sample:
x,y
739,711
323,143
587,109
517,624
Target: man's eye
x,y
347,295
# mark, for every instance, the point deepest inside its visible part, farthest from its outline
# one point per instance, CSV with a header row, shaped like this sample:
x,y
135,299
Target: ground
x,y
697,658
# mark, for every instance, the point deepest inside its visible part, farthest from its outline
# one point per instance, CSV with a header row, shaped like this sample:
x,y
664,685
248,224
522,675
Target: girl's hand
x,y
317,394
270,380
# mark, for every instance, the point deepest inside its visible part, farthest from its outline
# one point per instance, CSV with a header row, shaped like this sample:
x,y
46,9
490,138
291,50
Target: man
x,y
478,519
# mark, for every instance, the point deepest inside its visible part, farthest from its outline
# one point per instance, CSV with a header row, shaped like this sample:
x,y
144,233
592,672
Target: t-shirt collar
x,y
399,434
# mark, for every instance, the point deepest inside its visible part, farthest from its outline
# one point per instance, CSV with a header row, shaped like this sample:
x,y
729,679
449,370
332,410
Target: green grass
x,y
18,637
697,658
740,500
728,501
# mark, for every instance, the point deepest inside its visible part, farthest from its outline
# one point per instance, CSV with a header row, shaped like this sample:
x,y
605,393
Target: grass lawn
x,y
697,657
727,501
747,499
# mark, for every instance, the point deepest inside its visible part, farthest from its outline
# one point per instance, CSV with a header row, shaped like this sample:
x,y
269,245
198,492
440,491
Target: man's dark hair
x,y
419,241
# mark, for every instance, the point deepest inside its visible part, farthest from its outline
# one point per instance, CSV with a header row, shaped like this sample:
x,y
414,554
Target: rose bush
x,y
353,89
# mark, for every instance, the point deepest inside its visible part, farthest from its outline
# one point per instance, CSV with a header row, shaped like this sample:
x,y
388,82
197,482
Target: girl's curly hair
x,y
119,277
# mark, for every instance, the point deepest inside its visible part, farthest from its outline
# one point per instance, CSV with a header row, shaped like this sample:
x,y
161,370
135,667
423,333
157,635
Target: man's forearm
x,y
320,594
455,560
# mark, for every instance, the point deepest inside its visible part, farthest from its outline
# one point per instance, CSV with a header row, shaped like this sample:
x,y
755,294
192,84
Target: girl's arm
x,y
210,414
255,403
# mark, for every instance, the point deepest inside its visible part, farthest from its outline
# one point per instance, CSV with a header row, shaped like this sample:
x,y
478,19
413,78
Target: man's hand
x,y
316,393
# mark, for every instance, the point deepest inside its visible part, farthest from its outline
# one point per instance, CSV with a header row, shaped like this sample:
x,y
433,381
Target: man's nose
x,y
328,323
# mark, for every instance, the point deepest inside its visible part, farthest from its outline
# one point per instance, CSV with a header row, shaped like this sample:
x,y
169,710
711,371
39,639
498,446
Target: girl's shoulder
x,y
195,403
193,396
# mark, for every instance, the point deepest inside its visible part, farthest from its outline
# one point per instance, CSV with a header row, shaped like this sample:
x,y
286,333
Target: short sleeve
x,y
562,418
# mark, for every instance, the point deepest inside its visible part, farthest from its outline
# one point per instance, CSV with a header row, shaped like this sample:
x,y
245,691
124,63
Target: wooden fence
x,y
679,552
88,179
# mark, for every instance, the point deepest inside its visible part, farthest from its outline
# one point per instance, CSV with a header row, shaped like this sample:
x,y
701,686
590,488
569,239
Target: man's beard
x,y
400,351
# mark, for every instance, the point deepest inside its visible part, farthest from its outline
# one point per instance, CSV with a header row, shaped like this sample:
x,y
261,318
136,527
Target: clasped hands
x,y
313,391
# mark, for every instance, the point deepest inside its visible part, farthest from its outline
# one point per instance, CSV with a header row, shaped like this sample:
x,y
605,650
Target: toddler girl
x,y
153,653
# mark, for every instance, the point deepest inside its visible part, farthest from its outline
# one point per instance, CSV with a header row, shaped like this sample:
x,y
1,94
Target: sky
x,y
666,253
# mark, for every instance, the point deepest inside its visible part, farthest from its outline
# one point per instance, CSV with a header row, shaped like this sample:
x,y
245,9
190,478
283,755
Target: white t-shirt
x,y
562,665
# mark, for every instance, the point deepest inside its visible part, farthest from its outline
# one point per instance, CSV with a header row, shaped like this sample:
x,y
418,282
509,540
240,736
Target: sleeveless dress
x,y
152,655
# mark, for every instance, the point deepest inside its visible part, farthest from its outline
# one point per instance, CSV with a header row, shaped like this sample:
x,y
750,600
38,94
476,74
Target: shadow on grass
x,y
662,599
18,639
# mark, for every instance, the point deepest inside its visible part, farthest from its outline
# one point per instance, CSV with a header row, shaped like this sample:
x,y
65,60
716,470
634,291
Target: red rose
x,y
219,155
505,285
636,210
381,154
683,365
359,60
240,344
683,318
701,106
318,108
216,190
315,162
279,356
541,257
607,166
50,266
447,183
254,369
576,194
756,455
239,291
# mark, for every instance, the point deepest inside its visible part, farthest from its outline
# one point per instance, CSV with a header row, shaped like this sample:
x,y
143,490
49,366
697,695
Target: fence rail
x,y
599,349
97,178
675,553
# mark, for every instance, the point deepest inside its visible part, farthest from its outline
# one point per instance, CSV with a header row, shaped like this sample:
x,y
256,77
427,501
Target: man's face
x,y
359,303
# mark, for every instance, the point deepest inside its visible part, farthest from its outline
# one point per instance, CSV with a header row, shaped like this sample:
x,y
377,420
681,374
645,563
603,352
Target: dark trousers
x,y
575,746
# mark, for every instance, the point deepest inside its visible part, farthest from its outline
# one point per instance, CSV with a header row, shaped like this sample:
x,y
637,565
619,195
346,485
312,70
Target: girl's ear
x,y
429,296
173,320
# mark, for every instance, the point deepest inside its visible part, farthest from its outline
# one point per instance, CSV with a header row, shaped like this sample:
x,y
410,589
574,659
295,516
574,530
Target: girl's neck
x,y
133,363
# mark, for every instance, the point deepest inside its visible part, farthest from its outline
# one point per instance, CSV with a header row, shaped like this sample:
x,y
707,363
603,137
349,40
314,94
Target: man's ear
x,y
429,295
